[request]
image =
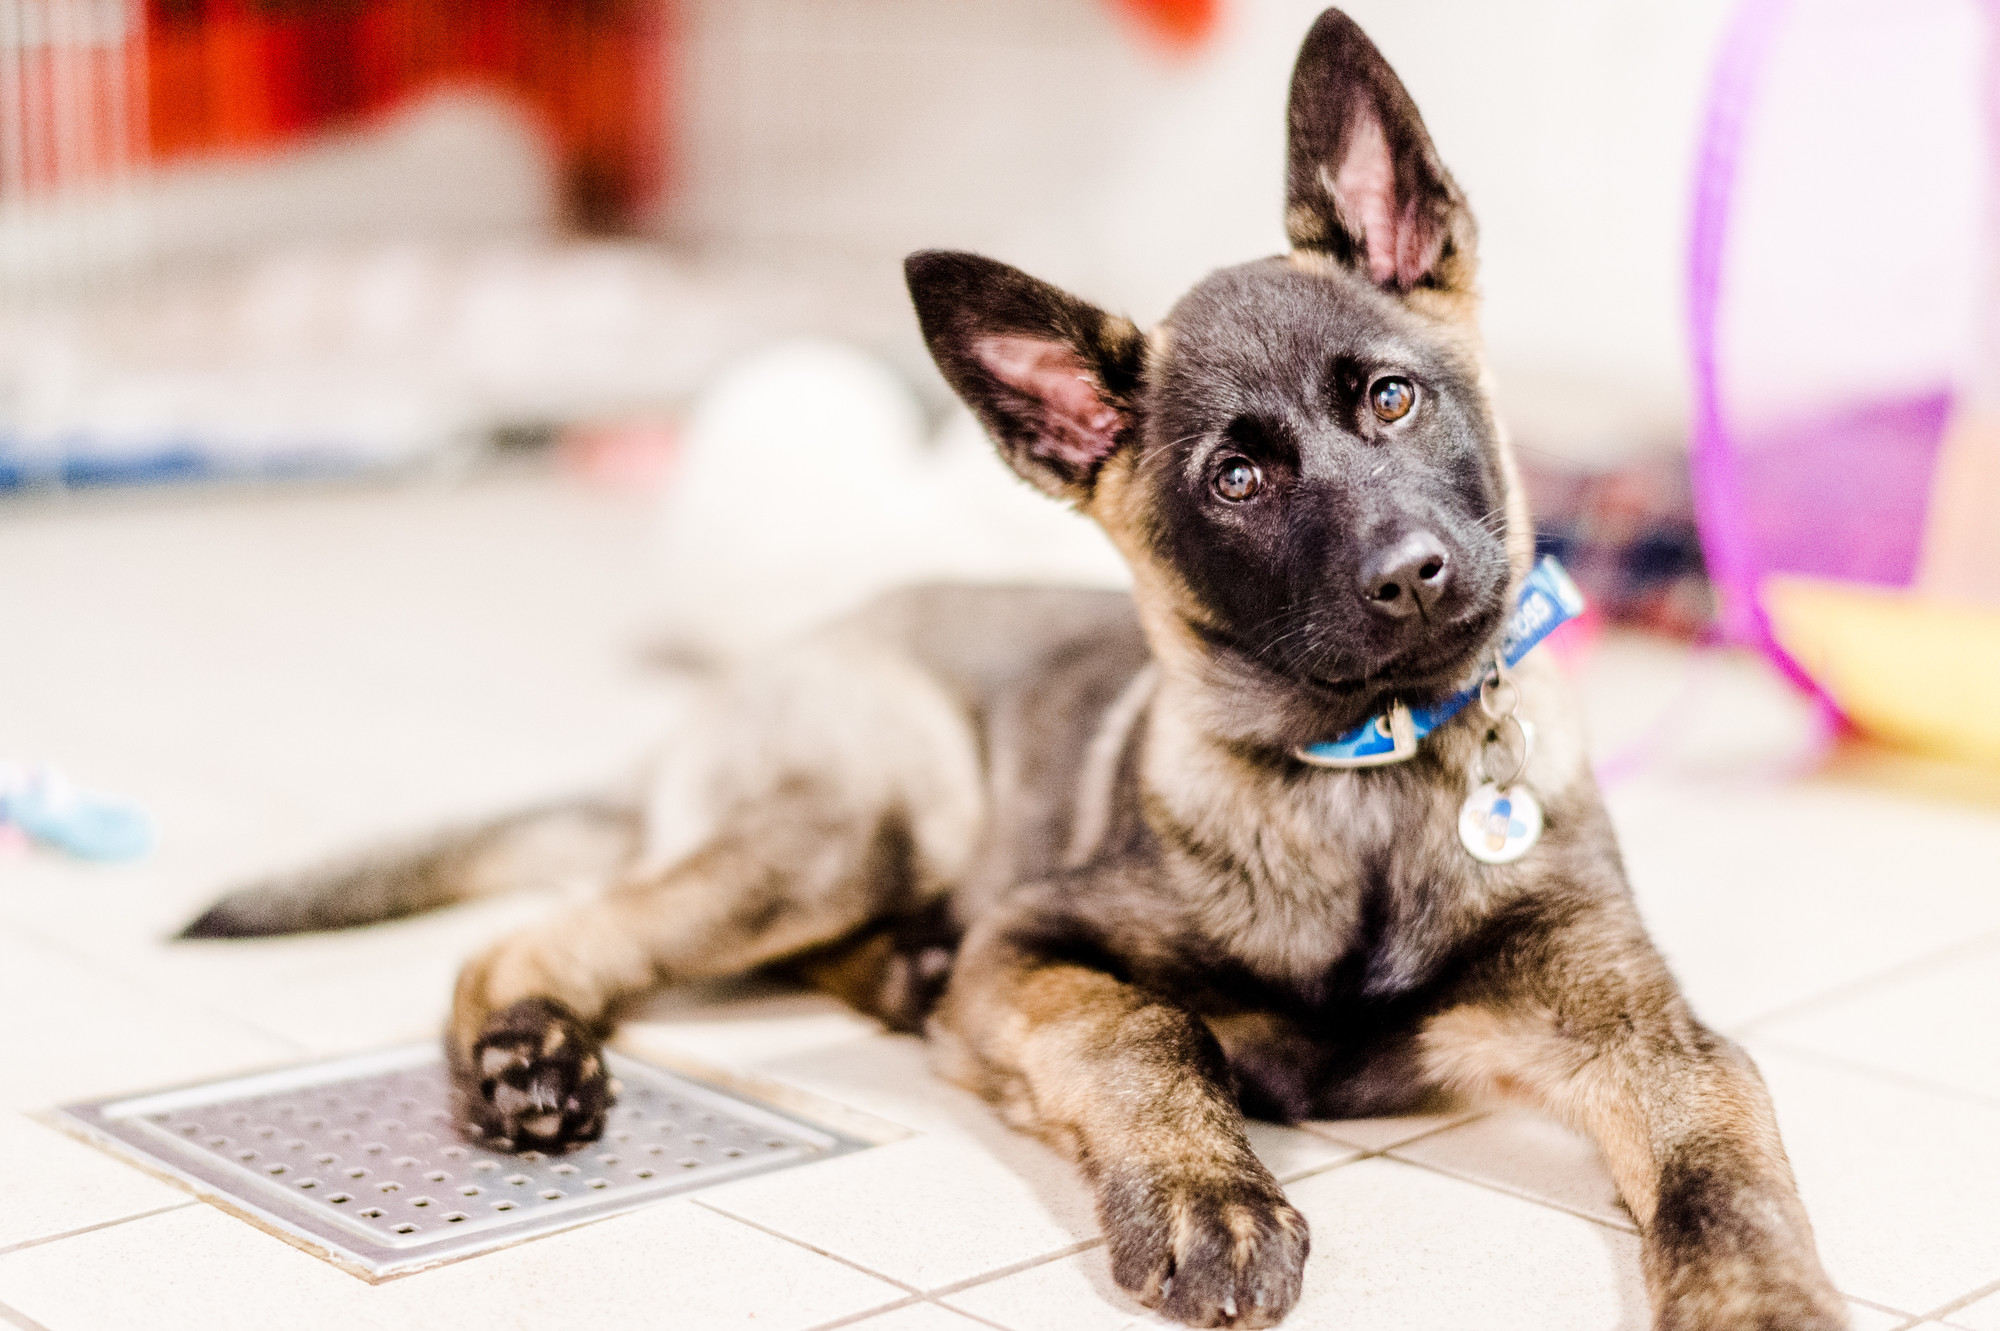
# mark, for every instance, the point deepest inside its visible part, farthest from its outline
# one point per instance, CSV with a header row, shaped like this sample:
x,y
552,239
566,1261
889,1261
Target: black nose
x,y
1408,577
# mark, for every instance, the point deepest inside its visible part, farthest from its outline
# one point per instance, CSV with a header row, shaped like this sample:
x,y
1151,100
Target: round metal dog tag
x,y
1499,825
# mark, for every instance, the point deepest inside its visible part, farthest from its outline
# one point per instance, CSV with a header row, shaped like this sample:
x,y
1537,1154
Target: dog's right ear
x,y
1054,380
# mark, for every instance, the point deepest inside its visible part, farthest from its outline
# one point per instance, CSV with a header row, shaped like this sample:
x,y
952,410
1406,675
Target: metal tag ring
x,y
1492,740
1493,689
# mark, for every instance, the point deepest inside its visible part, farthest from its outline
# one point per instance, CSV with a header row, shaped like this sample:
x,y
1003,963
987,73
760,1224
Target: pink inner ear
x,y
1401,245
1078,426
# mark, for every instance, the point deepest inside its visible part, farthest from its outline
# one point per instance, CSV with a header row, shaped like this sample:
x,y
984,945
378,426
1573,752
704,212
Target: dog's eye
x,y
1238,479
1392,397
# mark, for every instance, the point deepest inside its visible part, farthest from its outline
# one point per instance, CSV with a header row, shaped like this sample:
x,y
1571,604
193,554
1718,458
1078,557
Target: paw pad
x,y
534,1080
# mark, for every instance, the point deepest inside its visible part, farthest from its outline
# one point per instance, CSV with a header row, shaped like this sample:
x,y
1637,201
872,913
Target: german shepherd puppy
x,y
1069,835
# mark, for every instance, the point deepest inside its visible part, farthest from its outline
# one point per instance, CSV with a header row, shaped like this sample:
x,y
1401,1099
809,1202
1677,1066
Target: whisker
x,y
1164,453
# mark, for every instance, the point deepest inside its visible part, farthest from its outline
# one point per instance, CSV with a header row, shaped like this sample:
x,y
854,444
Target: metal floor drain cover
x,y
359,1157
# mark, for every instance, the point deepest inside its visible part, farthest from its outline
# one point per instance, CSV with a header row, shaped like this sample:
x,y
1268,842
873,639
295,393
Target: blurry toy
x,y
620,455
1627,536
235,77
1845,311
809,479
40,803
1180,25
1914,670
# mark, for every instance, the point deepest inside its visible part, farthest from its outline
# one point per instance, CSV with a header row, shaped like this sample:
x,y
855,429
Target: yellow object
x,y
1909,669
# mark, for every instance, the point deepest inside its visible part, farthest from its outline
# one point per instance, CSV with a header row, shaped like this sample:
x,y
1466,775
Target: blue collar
x,y
1548,599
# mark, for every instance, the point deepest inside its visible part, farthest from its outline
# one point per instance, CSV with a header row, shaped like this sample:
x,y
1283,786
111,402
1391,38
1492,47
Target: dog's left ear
x,y
1363,181
1053,379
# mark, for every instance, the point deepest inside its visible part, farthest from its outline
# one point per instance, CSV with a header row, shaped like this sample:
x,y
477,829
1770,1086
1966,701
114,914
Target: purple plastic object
x,y
1839,489
1718,487
1874,459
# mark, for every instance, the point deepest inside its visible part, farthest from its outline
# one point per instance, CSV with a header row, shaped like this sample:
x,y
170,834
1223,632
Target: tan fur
x,y
764,835
1104,1073
1100,773
564,852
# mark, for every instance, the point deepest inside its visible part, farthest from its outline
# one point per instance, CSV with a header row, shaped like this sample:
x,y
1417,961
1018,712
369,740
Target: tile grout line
x,y
918,1302
916,1295
867,1313
909,1289
970,1317
1369,1152
1855,988
1327,1168
1962,1301
987,1278
12,1248
1598,1220
21,1320
1910,1319
1894,1078
1379,1152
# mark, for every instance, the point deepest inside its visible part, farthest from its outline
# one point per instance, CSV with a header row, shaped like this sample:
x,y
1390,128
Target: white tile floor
x,y
280,674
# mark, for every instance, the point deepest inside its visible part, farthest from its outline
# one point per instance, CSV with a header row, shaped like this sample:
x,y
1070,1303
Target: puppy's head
x,y
1301,463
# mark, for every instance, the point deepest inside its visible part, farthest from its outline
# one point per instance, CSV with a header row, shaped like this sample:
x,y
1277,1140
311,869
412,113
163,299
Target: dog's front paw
x,y
1215,1247
534,1080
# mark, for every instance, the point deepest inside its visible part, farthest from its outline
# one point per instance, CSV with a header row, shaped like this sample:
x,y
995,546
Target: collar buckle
x,y
1389,738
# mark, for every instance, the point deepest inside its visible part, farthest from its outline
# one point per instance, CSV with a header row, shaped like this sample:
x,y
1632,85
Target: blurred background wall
x,y
1042,131
1120,149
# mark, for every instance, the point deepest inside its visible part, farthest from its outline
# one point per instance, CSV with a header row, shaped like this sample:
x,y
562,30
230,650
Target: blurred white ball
x,y
807,485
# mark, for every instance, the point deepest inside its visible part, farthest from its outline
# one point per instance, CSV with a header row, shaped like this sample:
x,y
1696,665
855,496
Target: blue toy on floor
x,y
42,804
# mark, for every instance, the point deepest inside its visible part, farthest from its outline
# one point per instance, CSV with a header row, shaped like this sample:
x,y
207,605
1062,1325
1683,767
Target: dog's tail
x,y
579,843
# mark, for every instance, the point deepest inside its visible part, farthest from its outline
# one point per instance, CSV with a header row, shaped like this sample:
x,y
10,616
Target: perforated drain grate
x,y
359,1157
